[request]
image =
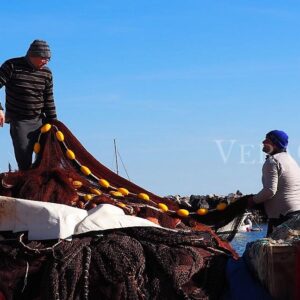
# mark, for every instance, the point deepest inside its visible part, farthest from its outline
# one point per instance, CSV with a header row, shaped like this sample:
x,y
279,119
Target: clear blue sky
x,y
187,88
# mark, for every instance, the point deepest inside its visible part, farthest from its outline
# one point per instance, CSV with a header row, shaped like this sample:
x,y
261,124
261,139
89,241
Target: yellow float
x,y
143,196
37,148
77,184
202,211
60,136
183,212
95,191
116,194
104,183
221,206
85,170
123,191
88,197
163,207
46,128
70,154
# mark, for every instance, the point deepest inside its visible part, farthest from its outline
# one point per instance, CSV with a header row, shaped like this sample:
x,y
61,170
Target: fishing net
x,y
132,263
65,172
183,260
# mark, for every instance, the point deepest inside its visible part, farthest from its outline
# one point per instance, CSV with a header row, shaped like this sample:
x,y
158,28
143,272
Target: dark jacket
x,y
29,91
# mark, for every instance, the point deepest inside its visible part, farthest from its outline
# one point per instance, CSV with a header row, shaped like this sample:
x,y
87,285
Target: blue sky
x,y
187,88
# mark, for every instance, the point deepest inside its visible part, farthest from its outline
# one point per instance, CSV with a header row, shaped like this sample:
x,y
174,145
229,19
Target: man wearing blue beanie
x,y
281,181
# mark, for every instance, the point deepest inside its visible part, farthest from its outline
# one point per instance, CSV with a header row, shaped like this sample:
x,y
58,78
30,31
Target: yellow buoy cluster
x,y
117,193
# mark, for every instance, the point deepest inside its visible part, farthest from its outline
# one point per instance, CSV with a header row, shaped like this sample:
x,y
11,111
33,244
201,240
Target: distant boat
x,y
246,225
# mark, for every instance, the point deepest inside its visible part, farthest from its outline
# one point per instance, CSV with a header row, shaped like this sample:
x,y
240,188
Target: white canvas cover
x,y
44,220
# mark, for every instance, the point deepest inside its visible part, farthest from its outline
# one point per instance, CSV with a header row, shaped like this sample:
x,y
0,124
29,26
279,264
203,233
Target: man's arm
x,y
270,182
5,74
6,71
49,105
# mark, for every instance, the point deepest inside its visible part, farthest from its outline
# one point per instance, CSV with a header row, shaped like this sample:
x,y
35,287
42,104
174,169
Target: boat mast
x,y
116,156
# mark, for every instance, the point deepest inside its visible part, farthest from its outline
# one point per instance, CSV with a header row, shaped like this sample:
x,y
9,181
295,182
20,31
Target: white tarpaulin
x,y
44,220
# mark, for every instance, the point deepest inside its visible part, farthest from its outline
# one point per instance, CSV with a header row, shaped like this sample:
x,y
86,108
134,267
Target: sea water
x,y
242,238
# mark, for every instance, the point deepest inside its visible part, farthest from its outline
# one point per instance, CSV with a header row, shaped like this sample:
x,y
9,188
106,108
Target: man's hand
x,y
251,202
2,118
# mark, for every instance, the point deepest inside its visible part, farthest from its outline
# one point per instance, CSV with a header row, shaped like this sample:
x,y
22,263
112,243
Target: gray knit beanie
x,y
39,48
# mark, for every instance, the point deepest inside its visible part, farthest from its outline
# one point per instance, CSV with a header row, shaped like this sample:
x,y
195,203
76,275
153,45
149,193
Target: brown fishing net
x,y
186,260
132,263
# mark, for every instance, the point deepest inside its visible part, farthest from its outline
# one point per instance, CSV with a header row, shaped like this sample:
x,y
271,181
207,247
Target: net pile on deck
x,y
135,263
132,263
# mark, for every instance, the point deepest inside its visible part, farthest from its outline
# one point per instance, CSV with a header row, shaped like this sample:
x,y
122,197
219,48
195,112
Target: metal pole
x,y
116,156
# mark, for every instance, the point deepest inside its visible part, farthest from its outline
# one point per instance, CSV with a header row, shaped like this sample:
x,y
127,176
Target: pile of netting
x,y
183,260
131,263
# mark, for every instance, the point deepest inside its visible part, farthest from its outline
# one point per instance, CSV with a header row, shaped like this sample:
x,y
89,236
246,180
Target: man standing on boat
x,y
281,181
29,98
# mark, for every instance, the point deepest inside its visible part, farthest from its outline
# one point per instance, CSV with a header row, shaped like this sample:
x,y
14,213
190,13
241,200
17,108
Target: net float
x,y
70,154
221,206
116,194
183,212
77,184
46,128
143,196
37,148
163,207
88,197
202,211
85,170
95,191
123,191
104,183
60,136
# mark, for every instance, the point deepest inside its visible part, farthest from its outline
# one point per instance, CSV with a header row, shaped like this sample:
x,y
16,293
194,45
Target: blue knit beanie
x,y
279,138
